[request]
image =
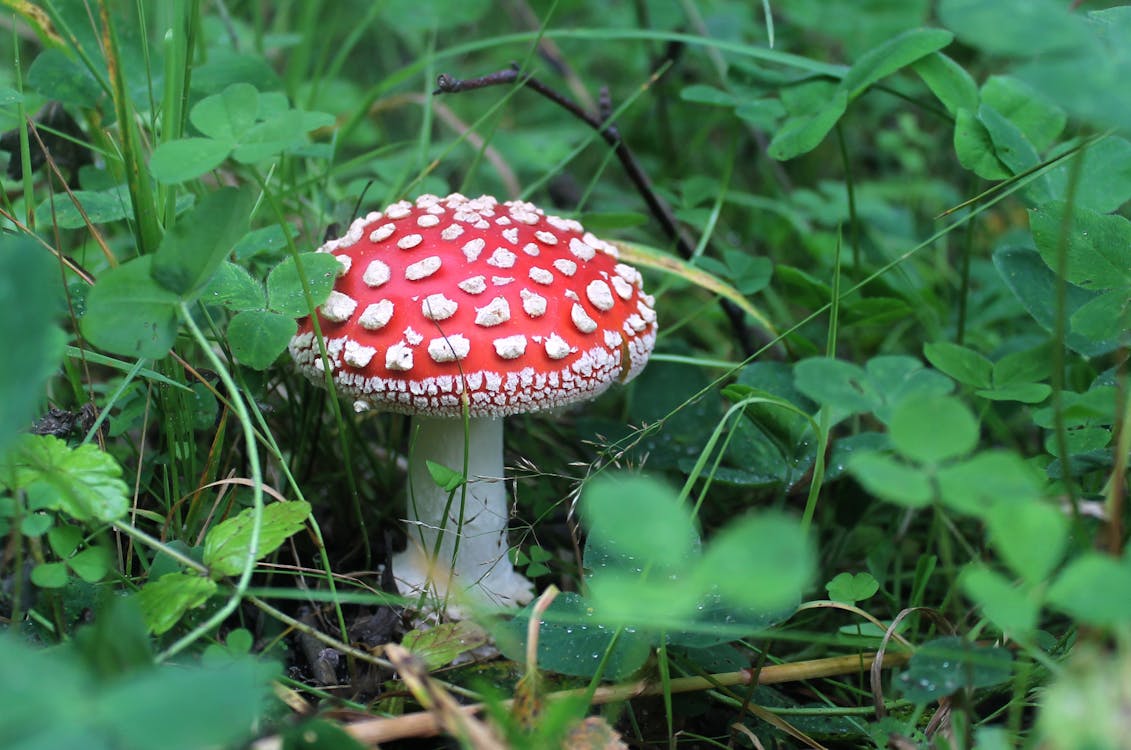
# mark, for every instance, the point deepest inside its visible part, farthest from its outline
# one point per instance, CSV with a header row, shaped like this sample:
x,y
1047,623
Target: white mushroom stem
x,y
461,559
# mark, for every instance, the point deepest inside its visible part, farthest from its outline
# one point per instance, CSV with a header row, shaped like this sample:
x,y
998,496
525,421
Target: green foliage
x,y
921,354
945,665
27,325
228,545
239,122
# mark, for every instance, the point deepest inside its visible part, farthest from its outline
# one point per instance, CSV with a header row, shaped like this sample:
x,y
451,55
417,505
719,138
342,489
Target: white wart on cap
x,y
445,296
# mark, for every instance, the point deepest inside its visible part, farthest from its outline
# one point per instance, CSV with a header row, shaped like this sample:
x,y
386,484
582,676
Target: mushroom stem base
x,y
457,541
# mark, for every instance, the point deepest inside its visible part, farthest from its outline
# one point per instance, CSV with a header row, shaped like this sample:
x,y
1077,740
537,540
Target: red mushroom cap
x,y
519,310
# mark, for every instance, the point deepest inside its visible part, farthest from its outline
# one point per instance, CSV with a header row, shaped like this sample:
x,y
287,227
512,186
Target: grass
x,y
886,420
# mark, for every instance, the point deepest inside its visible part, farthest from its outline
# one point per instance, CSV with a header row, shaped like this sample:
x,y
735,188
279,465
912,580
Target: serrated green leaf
x,y
82,482
228,545
163,602
199,242
284,289
258,337
129,313
438,645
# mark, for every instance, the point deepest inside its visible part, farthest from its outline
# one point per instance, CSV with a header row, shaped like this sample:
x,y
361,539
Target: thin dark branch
x,y
608,131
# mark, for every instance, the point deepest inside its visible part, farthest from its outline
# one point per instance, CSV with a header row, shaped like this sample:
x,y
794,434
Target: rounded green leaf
x,y
258,337
1095,589
284,287
932,429
1004,604
186,159
1030,536
763,562
129,313
91,565
228,115
890,480
235,288
573,640
641,518
846,587
49,575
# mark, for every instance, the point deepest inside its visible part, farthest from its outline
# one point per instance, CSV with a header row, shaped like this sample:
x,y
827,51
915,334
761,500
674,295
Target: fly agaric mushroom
x,y
453,303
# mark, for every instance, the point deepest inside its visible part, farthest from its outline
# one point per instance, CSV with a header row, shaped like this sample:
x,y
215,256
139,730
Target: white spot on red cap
x,y
600,295
409,241
399,210
376,273
503,221
338,307
581,250
382,233
412,337
472,248
449,348
474,284
427,220
531,249
422,269
546,238
451,232
502,258
356,355
581,319
496,312
347,264
510,347
566,266
622,287
541,276
438,307
556,347
533,304
376,316
398,357
510,235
